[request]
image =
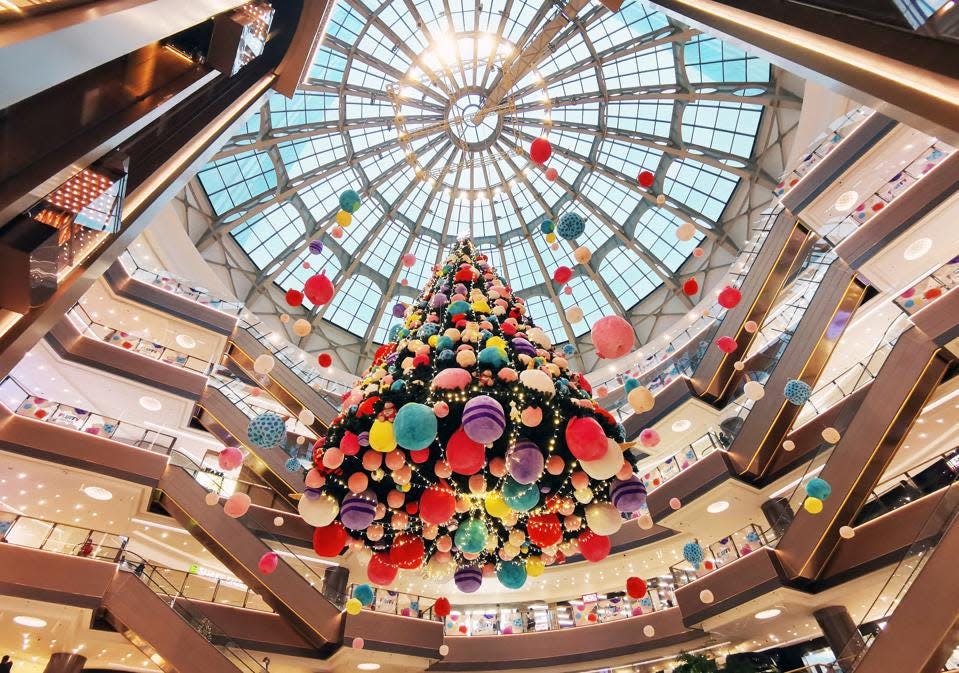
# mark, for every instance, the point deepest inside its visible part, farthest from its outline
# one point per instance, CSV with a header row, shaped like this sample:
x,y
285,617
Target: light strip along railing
x,y
930,288
287,555
734,546
702,326
22,402
928,157
294,359
59,538
182,288
141,345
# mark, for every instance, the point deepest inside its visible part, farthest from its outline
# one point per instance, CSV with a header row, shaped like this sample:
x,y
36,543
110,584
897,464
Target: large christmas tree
x,y
469,446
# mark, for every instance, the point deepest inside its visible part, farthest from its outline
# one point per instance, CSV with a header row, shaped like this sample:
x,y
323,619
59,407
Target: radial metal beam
x,y
530,56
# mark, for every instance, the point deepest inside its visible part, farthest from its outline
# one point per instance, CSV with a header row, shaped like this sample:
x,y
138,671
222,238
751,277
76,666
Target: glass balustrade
x,y
183,288
734,546
930,288
22,402
141,345
172,586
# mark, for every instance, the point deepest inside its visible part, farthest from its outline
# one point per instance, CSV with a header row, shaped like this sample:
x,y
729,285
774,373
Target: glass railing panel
x,y
730,548
171,283
930,288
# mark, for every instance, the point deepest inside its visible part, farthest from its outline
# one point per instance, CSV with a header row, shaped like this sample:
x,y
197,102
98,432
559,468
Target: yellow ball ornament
x,y
812,505
495,505
353,607
550,237
381,436
535,566
433,340
344,219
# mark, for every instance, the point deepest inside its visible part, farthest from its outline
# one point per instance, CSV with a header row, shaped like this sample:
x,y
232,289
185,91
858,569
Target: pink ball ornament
x,y
237,505
314,479
497,467
579,479
750,326
395,499
230,458
551,174
532,416
268,562
649,438
554,246
727,344
555,465
409,259
602,392
567,290
442,469
372,460
358,643
477,483
395,459
358,482
332,458
698,252
674,503
613,337
441,409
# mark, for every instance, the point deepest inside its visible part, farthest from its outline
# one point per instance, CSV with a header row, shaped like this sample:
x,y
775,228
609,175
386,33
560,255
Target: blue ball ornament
x,y
394,332
818,488
630,385
547,227
470,537
492,357
797,392
444,343
414,426
569,349
266,431
694,553
349,201
292,465
364,594
570,226
459,306
511,574
428,330
397,386
520,497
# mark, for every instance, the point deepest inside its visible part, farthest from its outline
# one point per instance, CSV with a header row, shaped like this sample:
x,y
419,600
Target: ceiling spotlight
x,y
681,425
368,667
847,201
97,493
185,341
718,507
917,249
150,403
768,614
30,622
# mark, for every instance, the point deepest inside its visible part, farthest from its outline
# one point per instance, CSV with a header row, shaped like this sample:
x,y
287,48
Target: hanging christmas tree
x,y
469,447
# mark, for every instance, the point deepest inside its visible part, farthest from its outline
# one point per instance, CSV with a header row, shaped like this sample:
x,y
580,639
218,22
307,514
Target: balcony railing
x,y
681,460
138,344
734,546
22,402
183,288
166,583
930,288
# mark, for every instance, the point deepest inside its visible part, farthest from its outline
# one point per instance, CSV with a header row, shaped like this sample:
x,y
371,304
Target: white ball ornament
x,y
649,631
319,511
302,327
847,532
306,417
789,445
706,596
603,518
754,390
278,521
831,435
444,650
264,363
574,314
661,200
607,466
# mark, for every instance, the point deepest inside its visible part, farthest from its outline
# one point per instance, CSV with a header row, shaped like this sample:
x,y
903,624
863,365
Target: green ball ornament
x,y
350,201
511,574
415,426
520,497
470,537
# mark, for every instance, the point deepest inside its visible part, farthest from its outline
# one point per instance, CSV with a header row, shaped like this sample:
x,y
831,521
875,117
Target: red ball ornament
x,y
646,179
294,297
381,570
690,287
729,297
544,530
592,546
441,608
727,344
438,503
636,587
464,455
407,551
540,151
324,359
318,289
563,275
586,439
329,540
551,174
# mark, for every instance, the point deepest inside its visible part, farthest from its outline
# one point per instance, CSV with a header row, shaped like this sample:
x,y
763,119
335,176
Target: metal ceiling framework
x,y
502,168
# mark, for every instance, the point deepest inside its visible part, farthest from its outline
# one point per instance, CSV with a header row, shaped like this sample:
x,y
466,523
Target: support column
x,y
65,662
779,514
841,633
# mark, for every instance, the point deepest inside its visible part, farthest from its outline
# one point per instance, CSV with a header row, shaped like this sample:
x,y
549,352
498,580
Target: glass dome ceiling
x,y
389,106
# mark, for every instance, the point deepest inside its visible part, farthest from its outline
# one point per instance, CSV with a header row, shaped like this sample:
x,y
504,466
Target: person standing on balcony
x,y
87,548
6,664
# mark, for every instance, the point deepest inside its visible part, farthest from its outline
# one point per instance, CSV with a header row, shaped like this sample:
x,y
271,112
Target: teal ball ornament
x,y
394,332
266,431
470,538
547,227
415,426
349,201
459,306
570,226
797,392
492,357
630,385
364,594
694,553
511,574
818,488
520,497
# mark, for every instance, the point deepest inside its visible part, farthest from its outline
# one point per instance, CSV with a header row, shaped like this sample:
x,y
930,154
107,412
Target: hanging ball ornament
x,y
266,430
302,327
349,201
551,174
613,337
727,344
706,596
562,275
237,505
729,297
540,151
797,392
212,498
691,287
229,458
754,390
750,326
831,435
847,532
318,289
646,179
574,314
686,231
570,226
582,255
812,505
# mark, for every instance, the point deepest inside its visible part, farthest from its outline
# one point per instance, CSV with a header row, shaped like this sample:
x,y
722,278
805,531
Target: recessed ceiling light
x,y
717,507
768,614
917,249
31,622
368,667
150,403
847,201
185,341
97,493
681,425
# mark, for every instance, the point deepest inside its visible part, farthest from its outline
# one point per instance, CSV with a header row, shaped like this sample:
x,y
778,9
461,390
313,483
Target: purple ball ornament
x,y
363,438
399,309
523,347
459,288
484,419
358,510
316,247
468,580
627,495
439,300
525,462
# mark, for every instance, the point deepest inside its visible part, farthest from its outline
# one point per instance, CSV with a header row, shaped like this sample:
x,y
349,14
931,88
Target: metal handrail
x,y
930,288
178,286
730,548
141,345
26,404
